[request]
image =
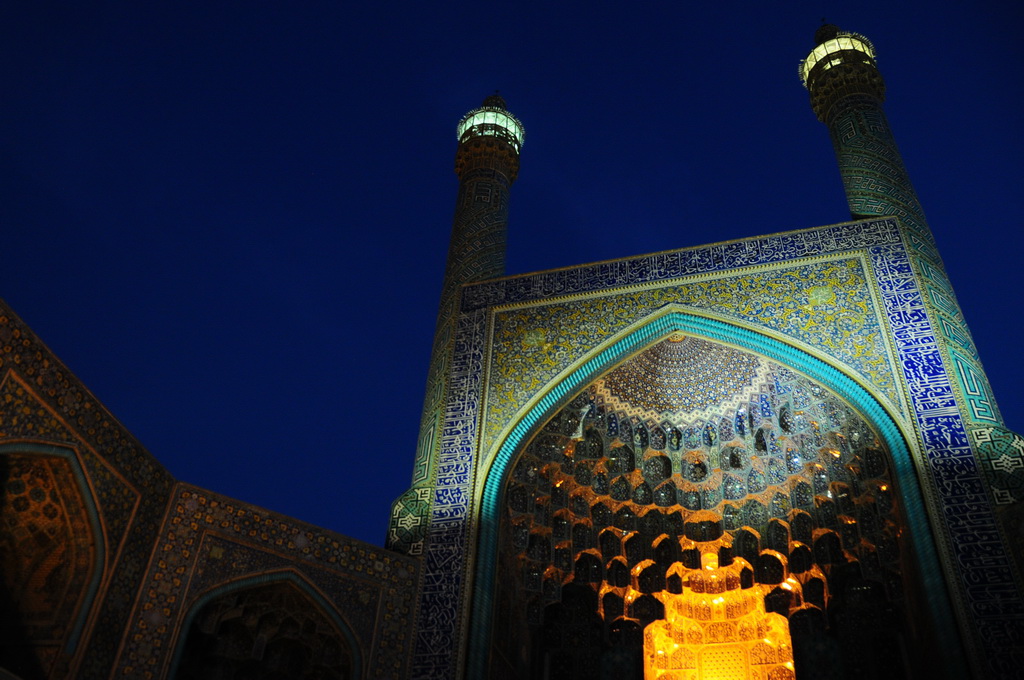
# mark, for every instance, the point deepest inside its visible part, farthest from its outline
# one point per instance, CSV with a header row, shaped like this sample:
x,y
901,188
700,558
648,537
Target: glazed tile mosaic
x,y
827,304
209,542
84,507
49,419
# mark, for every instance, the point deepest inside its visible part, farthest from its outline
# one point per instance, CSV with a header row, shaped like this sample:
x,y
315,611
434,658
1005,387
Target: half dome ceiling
x,y
684,375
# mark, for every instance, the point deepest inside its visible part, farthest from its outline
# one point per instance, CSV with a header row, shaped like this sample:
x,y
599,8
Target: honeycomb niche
x,y
269,632
48,555
688,449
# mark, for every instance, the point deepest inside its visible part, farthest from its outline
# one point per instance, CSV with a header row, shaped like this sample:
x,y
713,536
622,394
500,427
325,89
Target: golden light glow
x,y
717,630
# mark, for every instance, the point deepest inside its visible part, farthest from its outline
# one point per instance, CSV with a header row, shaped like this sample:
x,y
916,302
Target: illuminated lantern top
x,y
836,47
492,119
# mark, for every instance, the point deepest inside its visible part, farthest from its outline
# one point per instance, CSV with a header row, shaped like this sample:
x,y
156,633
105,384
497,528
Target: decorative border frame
x,y
688,292
674,264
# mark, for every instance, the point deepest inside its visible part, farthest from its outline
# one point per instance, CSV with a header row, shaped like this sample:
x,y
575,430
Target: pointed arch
x,y
261,581
59,548
665,322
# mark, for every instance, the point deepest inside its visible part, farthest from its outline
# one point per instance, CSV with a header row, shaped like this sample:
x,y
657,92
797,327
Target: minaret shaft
x,y
873,173
476,252
477,248
487,163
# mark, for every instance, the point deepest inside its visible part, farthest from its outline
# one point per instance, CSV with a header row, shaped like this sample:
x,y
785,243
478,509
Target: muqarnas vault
x,y
763,459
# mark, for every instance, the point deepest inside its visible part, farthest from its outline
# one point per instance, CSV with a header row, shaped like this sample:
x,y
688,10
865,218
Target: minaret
x,y
487,163
966,453
847,92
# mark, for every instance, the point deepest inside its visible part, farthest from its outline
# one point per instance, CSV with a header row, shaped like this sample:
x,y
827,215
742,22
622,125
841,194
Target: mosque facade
x,y
777,457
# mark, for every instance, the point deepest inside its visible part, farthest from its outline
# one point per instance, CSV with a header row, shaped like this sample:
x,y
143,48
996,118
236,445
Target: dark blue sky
x,y
230,219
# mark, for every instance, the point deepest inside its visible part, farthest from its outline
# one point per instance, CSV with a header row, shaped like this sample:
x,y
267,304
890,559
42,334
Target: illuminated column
x,y
718,630
487,163
847,92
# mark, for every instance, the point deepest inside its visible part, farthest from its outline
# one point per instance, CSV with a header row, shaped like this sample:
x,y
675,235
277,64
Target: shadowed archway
x,y
273,627
51,557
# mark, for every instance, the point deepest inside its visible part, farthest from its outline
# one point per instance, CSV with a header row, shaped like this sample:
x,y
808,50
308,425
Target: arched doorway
x,y
624,479
266,629
51,557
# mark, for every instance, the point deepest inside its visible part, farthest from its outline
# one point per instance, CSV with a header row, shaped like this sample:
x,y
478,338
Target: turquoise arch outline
x,y
255,581
632,341
89,501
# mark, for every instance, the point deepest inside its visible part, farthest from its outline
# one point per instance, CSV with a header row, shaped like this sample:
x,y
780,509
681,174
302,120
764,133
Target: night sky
x,y
230,219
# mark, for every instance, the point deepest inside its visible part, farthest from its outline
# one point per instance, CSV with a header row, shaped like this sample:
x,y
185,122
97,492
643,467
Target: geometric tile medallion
x,y
683,374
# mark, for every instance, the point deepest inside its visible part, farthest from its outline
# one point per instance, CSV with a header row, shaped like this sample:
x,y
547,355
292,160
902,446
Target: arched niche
x,y
795,462
51,557
270,627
